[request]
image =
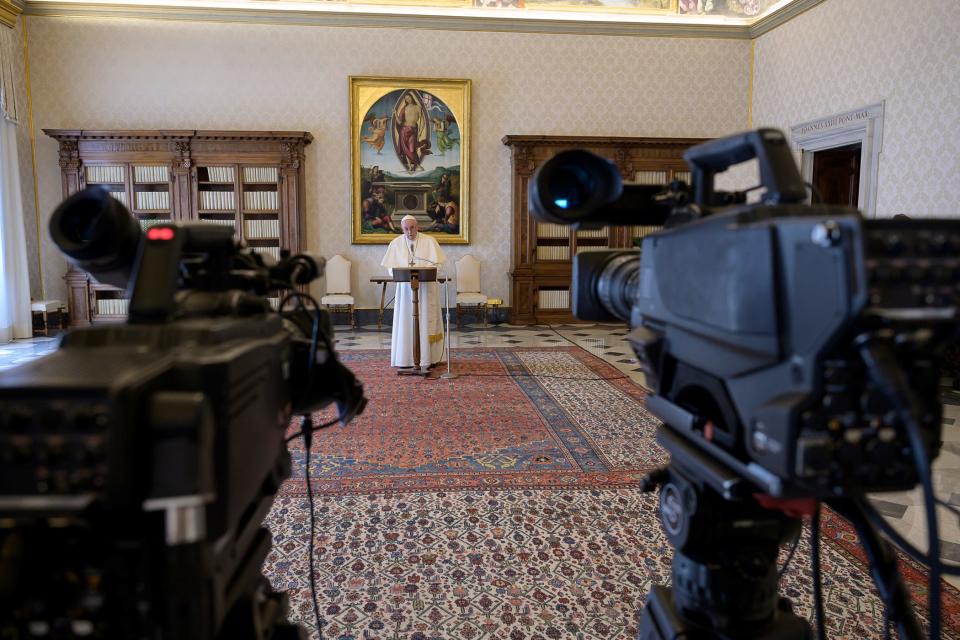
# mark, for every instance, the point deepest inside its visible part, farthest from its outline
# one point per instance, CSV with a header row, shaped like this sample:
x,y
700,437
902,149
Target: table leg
x,y
383,295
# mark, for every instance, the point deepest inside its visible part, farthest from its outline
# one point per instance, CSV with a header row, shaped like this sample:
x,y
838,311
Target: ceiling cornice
x,y
436,18
9,10
774,20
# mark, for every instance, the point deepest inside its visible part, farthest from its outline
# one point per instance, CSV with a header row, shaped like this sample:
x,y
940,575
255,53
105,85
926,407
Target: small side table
x,y
45,307
493,305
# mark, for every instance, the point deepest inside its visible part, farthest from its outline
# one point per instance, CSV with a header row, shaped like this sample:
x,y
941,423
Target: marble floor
x,y
903,510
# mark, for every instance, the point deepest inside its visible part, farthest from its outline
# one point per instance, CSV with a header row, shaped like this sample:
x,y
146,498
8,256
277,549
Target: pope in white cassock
x,y
414,249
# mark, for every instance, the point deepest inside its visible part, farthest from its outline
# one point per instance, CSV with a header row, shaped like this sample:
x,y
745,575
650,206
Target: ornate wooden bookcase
x,y
540,265
250,180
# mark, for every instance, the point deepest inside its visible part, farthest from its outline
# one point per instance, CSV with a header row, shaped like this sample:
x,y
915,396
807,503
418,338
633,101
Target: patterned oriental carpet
x,y
505,504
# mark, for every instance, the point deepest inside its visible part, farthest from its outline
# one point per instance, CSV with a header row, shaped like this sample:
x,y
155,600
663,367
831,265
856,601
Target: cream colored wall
x,y
25,159
154,74
844,54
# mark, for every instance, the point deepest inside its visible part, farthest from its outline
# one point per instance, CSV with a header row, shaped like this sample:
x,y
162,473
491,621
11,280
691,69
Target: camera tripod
x,y
724,571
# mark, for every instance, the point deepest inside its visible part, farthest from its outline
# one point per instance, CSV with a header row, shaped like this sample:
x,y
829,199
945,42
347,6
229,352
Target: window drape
x,y
15,316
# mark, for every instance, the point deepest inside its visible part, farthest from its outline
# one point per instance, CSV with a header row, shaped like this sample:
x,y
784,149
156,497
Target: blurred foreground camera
x,y
793,356
137,462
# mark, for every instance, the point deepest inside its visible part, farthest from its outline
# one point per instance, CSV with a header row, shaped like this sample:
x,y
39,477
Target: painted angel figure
x,y
378,131
445,141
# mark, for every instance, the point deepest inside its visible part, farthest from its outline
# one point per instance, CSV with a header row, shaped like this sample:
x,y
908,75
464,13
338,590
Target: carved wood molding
x,y
303,137
525,161
623,158
292,154
69,154
593,141
182,149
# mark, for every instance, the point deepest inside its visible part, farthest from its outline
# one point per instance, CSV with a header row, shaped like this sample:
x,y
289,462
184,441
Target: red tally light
x,y
160,233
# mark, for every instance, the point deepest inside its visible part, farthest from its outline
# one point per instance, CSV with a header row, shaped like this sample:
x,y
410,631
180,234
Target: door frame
x,y
863,125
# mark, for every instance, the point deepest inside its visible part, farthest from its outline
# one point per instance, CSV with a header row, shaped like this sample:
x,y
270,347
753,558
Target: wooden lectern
x,y
415,275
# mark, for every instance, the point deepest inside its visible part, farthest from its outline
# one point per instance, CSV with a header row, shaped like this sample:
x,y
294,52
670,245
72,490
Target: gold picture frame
x,y
410,155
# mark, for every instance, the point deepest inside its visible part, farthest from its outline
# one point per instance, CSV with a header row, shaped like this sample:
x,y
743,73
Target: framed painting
x,y
410,155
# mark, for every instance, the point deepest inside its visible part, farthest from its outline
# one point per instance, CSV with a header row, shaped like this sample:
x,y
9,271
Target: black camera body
x,y
749,320
169,437
754,319
793,354
140,459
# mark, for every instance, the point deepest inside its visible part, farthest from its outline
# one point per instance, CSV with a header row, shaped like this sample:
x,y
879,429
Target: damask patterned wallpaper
x,y
153,74
25,158
845,54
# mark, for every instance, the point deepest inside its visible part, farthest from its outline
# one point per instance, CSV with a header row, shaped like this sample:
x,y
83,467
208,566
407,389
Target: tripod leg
x,y
883,568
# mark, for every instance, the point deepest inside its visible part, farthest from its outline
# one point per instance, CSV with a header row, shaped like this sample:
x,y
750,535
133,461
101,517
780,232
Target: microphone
x,y
436,264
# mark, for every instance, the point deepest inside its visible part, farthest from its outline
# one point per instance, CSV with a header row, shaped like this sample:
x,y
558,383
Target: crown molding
x,y
438,18
777,18
435,18
9,10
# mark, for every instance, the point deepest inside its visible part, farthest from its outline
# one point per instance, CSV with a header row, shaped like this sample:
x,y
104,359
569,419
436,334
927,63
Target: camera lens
x,y
618,285
79,228
570,186
98,233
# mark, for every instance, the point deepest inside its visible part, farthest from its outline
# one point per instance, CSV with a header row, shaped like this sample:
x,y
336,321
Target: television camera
x,y
137,461
792,353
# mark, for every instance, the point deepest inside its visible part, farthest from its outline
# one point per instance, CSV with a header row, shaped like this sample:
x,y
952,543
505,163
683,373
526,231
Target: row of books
x,y
101,175
112,306
640,231
260,174
151,174
593,233
217,200
261,200
226,222
550,230
547,252
258,229
274,303
120,196
650,177
553,299
153,199
220,174
267,175
273,252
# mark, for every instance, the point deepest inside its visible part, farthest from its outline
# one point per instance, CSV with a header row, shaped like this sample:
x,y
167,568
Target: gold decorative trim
x,y
9,10
456,93
433,18
753,57
33,157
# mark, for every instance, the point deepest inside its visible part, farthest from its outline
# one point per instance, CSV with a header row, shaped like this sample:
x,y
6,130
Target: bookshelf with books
x,y
216,201
540,266
261,203
252,181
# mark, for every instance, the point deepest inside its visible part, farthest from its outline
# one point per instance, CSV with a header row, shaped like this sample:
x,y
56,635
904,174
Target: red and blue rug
x,y
504,504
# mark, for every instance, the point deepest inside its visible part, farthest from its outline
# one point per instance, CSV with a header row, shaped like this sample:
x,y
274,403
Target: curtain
x,y
15,317
8,74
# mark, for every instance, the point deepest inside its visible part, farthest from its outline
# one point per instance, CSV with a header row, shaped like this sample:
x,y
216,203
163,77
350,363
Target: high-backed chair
x,y
45,307
469,297
338,298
